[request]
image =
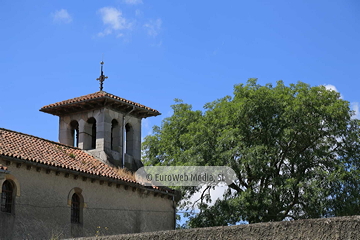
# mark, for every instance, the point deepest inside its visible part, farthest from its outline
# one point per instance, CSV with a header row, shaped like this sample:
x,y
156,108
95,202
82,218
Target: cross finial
x,y
102,76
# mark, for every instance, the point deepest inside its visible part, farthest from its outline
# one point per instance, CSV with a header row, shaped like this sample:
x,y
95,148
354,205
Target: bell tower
x,y
104,125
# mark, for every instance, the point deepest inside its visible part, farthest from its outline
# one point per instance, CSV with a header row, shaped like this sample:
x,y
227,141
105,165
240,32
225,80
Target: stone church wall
x,y
42,206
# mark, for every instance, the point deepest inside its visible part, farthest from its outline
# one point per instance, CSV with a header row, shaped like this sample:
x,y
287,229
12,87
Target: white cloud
x,y
215,194
113,19
355,108
133,2
153,27
333,88
105,32
62,16
354,105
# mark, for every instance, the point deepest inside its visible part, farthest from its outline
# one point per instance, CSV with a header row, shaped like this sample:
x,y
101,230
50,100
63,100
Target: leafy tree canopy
x,y
295,150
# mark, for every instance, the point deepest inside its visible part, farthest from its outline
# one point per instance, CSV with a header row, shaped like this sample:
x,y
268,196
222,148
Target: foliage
x,y
294,149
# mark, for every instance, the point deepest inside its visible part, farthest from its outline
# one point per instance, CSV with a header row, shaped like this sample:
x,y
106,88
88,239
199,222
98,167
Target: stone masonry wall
x,y
43,210
103,117
340,228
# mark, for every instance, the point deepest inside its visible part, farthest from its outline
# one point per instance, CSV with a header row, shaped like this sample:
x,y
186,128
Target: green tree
x,y
295,150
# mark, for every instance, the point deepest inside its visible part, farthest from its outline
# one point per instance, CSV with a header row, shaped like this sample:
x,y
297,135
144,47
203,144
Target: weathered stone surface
x,y
340,228
43,210
104,135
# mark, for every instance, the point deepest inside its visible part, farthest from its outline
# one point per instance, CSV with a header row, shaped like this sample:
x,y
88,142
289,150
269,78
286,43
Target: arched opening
x,y
129,138
76,204
115,135
92,131
7,197
74,128
75,208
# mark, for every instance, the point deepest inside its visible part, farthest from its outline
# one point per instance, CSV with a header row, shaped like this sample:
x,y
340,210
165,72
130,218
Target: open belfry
x,y
104,125
83,182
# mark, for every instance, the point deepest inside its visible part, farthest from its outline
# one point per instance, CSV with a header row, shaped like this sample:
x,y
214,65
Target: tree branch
x,y
235,187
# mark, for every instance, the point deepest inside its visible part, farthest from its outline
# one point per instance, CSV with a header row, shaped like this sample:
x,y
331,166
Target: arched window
x,y
115,135
75,201
75,208
92,123
129,134
7,197
74,133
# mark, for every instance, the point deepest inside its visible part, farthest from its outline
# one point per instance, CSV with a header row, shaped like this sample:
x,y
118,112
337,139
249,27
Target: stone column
x,y
65,131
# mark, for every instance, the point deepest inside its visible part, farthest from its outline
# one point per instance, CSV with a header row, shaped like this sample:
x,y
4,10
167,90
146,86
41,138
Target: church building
x,y
81,185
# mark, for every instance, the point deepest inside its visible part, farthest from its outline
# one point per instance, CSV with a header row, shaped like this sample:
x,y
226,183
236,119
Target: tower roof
x,y
97,100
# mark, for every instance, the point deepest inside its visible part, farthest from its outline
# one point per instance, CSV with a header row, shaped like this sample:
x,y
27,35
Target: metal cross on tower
x,y
102,76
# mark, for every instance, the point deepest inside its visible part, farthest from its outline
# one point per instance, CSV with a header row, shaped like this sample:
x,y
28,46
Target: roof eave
x,y
54,109
84,174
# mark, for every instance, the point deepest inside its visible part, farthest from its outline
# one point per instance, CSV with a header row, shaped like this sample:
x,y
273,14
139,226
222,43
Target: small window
x,y
75,208
7,197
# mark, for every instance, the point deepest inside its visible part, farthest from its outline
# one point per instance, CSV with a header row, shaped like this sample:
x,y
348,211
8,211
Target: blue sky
x,y
155,51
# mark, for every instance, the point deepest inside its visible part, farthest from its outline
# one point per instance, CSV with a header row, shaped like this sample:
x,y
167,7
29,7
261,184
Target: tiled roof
x,y
98,95
35,149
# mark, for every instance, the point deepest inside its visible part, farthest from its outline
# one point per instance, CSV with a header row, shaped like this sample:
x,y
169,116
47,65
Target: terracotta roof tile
x,y
97,95
35,149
